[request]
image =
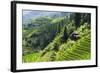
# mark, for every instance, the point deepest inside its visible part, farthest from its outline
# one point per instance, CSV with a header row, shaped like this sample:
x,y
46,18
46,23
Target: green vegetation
x,y
57,39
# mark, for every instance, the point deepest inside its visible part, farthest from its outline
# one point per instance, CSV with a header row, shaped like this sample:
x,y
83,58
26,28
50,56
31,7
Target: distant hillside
x,y
36,14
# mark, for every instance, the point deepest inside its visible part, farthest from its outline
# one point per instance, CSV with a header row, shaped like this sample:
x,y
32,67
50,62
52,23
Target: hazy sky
x,y
26,12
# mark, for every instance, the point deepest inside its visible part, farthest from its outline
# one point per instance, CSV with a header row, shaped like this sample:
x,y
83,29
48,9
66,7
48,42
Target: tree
x,y
85,18
59,28
77,19
65,35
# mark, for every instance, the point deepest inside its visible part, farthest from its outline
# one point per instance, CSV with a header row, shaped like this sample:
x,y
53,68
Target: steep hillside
x,y
69,50
64,37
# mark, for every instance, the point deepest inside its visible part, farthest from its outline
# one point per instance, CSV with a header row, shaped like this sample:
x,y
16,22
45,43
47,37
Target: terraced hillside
x,y
60,38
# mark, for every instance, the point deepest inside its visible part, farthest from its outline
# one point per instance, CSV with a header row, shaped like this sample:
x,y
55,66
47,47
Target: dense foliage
x,y
64,37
